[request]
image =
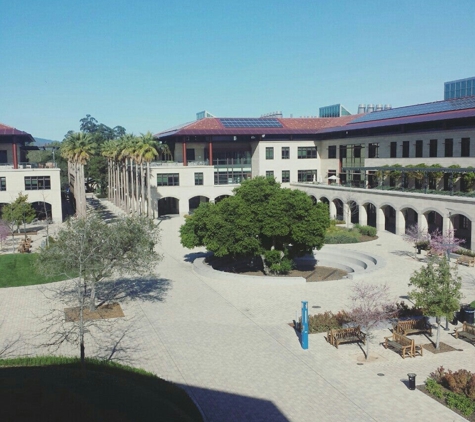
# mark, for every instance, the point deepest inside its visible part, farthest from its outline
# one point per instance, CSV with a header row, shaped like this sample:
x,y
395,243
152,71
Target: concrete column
x,y
472,246
210,153
184,154
15,155
332,208
447,224
400,223
346,213
380,219
422,222
363,216
184,206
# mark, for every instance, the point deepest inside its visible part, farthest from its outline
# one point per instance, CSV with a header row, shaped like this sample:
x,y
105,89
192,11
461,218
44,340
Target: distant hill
x,y
41,141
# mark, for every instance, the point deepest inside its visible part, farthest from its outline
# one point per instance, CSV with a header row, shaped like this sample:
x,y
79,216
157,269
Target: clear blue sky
x,y
150,65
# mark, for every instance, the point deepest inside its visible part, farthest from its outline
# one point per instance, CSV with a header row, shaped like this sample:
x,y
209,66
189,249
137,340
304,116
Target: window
x,y
269,153
190,154
357,151
332,151
168,179
270,174
307,152
465,148
433,148
419,147
3,156
449,147
342,151
373,151
405,149
3,183
464,222
37,182
198,179
307,175
285,153
393,152
285,176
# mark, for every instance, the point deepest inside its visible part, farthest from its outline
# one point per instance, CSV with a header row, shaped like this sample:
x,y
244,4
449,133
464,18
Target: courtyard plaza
x,y
228,342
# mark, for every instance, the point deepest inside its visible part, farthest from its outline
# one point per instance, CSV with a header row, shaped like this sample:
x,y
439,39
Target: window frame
x,y
285,176
199,178
306,153
285,153
332,151
173,176
269,153
37,182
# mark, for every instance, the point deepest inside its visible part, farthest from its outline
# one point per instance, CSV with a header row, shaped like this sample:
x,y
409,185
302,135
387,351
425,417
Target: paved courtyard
x,y
230,346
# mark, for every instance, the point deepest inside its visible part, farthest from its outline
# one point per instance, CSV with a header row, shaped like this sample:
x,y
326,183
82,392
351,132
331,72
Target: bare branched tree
x,y
371,306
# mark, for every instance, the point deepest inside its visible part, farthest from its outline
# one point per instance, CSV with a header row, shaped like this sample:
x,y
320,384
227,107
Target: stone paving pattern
x,y
230,346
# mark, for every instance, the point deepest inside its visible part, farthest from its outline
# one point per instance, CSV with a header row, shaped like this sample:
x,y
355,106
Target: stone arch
x,y
463,228
313,198
371,214
353,211
195,201
431,220
410,216
43,210
338,213
389,213
168,205
220,198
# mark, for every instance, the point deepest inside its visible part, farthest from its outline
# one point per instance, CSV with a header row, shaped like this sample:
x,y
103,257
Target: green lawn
x,y
19,270
56,389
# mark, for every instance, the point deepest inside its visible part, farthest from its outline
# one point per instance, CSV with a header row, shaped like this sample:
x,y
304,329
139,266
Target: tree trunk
x,y
138,205
264,265
367,346
437,340
92,304
149,191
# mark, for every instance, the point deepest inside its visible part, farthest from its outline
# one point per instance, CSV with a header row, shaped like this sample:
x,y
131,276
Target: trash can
x,y
462,313
469,315
412,381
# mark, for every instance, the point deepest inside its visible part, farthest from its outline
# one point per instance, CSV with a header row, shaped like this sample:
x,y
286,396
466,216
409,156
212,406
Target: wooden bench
x,y
467,332
413,326
435,253
466,260
346,335
404,345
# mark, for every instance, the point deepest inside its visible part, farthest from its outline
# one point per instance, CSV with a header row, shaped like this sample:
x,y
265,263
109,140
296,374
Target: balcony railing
x,y
4,166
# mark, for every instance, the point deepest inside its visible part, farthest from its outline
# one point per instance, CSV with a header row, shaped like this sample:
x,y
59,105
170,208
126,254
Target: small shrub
x,y
341,237
460,382
434,388
466,252
321,323
277,263
367,230
423,245
403,310
462,403
438,375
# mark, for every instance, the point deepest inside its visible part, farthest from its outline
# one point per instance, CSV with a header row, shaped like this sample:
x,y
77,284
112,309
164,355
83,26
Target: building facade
x,y
42,185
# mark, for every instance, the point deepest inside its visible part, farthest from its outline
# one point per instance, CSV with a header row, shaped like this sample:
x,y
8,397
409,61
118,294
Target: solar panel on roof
x,y
250,123
415,110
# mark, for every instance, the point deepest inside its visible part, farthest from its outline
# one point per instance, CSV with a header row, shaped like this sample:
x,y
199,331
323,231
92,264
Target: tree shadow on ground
x,y
102,210
190,257
223,406
148,289
407,254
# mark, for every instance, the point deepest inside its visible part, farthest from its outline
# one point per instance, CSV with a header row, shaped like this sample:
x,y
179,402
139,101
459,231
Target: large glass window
x,y
307,175
198,179
3,183
465,147
168,179
419,148
449,147
37,182
342,151
307,152
285,176
405,149
269,153
332,151
285,153
433,148
393,152
373,151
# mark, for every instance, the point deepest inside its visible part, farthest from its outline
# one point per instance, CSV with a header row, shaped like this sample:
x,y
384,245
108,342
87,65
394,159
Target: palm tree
x,y
109,150
126,149
77,148
148,152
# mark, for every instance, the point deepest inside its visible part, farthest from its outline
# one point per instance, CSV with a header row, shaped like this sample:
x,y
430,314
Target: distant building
x,y
335,110
459,88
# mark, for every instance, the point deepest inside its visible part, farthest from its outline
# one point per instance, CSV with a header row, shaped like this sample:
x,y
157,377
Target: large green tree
x,y
259,219
437,290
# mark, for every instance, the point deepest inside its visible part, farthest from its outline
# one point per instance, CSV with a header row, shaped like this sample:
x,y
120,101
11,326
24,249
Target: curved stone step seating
x,y
356,264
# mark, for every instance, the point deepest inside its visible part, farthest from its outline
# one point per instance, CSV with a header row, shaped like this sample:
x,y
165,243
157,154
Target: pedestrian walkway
x,y
230,346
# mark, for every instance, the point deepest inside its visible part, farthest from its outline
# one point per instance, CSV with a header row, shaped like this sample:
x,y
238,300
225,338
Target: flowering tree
x,y
417,236
445,242
371,306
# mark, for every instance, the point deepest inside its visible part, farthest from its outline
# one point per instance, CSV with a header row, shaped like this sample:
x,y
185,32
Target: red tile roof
x,y
10,131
